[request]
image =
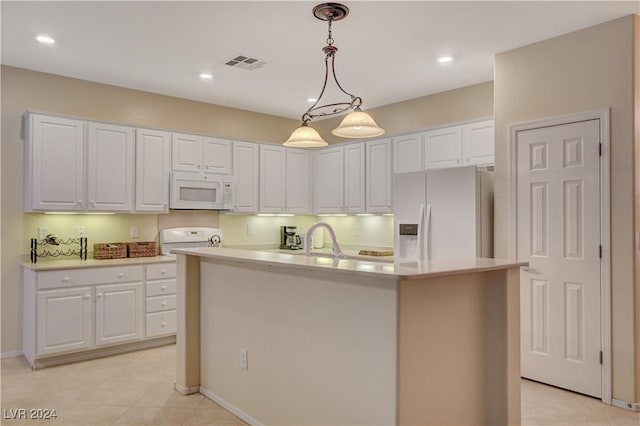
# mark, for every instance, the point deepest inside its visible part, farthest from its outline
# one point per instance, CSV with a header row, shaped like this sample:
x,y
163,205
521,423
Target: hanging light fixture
x,y
357,124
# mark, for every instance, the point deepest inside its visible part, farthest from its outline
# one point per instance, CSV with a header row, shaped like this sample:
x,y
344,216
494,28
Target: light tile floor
x,y
137,389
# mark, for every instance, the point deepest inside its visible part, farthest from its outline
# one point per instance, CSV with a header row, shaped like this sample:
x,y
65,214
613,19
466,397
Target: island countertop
x,y
403,270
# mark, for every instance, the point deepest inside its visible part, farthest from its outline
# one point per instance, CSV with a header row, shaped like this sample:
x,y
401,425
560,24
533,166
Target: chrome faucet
x,y
337,252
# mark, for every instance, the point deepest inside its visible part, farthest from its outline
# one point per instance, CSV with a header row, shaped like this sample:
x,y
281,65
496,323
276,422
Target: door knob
x,y
529,270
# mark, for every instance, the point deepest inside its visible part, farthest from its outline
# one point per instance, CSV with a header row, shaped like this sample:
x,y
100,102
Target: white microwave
x,y
200,191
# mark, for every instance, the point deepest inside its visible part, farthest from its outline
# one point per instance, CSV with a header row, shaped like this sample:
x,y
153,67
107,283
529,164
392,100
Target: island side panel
x,y
188,324
458,343
321,346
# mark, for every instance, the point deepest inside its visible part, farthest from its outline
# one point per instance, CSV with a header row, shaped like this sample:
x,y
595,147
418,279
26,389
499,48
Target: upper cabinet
x,y
272,178
153,161
328,180
109,167
407,153
379,176
354,178
246,176
298,186
478,143
200,154
54,163
443,148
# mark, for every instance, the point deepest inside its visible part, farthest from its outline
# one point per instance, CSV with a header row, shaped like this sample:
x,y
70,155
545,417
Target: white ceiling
x,y
387,48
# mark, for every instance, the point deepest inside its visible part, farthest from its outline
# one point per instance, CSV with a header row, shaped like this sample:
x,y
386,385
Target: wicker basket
x,y
141,249
103,251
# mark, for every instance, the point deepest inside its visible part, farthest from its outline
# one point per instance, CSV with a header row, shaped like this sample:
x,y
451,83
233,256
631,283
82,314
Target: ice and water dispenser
x,y
408,245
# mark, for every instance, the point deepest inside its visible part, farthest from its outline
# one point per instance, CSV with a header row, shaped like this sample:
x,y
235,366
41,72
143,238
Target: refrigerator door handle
x,y
427,236
420,234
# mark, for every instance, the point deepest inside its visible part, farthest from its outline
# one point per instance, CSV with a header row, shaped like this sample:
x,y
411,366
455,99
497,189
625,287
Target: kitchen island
x,y
284,339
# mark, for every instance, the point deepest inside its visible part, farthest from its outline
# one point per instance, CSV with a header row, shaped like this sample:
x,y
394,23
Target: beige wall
x,y
23,89
585,70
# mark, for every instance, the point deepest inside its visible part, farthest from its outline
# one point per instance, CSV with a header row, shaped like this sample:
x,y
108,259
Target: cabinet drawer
x,y
161,303
161,288
88,276
160,323
161,271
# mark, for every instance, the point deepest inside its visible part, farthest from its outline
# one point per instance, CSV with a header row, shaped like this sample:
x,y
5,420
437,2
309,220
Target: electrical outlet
x,y
43,231
356,231
81,231
243,359
249,229
134,232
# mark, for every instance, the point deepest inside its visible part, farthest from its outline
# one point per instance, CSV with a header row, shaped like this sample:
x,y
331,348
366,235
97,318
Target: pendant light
x,y
357,124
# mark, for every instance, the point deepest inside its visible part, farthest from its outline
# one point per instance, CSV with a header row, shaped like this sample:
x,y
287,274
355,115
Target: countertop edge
x,y
95,263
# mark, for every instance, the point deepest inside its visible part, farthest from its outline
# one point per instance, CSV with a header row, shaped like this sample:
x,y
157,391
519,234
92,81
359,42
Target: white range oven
x,y
188,237
201,191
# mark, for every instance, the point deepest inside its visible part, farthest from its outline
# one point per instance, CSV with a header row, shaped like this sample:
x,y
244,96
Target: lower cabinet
x,y
81,309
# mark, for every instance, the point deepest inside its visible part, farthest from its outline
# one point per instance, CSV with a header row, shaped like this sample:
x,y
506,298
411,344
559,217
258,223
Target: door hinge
x,y
600,251
601,357
600,149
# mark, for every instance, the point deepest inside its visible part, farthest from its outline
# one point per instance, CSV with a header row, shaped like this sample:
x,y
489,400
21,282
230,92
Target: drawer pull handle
x,y
164,271
99,296
66,279
163,324
87,296
164,303
164,287
120,275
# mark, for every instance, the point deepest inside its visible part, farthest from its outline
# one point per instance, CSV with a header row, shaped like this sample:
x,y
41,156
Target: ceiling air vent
x,y
245,62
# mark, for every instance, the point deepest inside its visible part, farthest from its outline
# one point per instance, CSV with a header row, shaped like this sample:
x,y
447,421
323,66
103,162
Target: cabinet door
x,y
443,148
245,176
119,313
54,164
109,167
478,143
272,178
407,153
328,181
64,319
152,170
299,189
354,178
217,155
379,176
186,152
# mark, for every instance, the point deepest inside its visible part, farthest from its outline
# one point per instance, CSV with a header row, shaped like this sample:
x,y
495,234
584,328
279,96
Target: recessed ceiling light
x,y
45,39
311,99
206,76
446,59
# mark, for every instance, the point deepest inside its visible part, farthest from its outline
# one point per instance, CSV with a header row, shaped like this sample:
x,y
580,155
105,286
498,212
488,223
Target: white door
x,y
109,167
152,170
299,167
119,313
272,178
186,152
354,178
407,153
443,148
328,180
246,176
64,320
217,155
558,212
378,184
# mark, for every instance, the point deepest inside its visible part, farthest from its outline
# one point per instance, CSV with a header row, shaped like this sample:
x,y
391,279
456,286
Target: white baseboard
x,y
185,390
230,407
631,406
11,354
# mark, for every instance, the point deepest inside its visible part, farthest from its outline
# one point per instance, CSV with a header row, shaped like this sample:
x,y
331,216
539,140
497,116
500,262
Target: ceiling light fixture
x,y
356,124
45,39
206,76
446,59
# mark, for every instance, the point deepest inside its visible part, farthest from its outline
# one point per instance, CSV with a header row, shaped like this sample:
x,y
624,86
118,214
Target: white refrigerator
x,y
443,214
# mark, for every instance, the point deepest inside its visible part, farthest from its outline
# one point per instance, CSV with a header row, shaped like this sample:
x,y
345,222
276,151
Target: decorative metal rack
x,y
81,252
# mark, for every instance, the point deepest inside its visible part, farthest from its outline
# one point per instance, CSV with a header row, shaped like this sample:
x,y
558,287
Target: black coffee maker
x,y
289,238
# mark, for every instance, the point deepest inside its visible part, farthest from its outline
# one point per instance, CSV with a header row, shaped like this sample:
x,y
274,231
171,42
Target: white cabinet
x,y
407,153
109,167
328,180
379,176
200,154
443,147
80,309
246,176
64,319
299,174
354,178
153,153
272,178
119,313
54,163
161,300
478,143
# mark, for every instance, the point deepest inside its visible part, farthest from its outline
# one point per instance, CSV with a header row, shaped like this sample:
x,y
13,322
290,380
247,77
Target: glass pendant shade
x,y
305,137
358,124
